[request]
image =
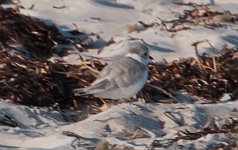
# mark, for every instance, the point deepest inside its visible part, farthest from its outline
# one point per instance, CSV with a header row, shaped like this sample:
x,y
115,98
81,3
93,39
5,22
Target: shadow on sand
x,y
113,4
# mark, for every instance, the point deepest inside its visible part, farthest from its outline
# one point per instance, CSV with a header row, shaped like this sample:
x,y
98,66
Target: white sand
x,y
116,15
136,125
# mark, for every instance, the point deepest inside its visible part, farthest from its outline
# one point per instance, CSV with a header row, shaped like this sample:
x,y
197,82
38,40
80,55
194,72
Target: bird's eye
x,y
145,54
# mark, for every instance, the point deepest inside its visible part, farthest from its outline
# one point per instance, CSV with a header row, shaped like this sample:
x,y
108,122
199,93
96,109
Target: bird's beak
x,y
151,58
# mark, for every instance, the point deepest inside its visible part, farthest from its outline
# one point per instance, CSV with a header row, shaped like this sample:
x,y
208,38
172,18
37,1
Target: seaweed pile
x,y
206,76
199,15
203,15
40,82
43,83
37,38
27,77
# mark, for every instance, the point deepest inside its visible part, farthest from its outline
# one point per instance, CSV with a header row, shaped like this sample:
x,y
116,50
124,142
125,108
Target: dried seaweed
x,y
198,76
39,38
229,127
41,83
200,15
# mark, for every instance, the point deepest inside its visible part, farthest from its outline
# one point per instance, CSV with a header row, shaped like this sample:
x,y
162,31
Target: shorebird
x,y
122,78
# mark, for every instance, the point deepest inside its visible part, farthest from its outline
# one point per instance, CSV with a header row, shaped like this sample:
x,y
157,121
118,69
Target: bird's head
x,y
139,53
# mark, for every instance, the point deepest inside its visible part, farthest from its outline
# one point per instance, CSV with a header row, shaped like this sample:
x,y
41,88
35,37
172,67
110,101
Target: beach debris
x,y
206,76
230,126
207,17
201,15
140,26
37,38
41,82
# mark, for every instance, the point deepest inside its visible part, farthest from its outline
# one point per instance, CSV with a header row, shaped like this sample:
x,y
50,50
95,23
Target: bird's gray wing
x,y
107,78
125,72
97,87
105,81
121,73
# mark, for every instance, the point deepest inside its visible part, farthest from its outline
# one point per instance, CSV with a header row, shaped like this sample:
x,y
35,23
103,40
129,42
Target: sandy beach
x,y
131,125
